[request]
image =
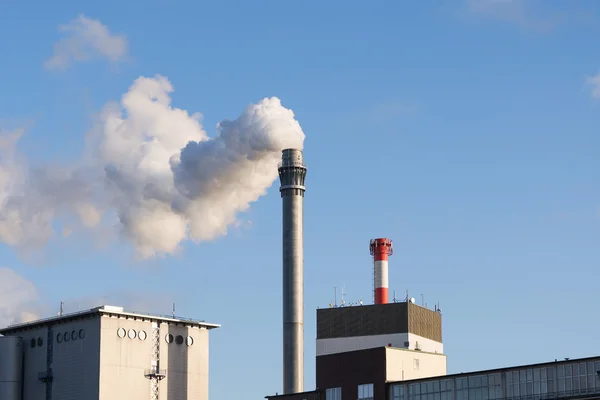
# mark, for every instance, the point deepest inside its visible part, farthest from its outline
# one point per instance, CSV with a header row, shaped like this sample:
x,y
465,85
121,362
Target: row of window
x,y
179,339
39,342
70,336
61,337
132,334
365,392
142,335
575,378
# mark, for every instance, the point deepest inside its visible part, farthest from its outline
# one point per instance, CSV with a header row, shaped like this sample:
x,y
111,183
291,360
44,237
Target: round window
x,y
81,334
32,343
179,339
169,338
131,334
66,337
59,338
189,341
73,335
40,342
142,335
121,332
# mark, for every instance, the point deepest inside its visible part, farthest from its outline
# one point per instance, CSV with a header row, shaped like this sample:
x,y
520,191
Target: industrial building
x,y
564,379
394,351
372,345
105,353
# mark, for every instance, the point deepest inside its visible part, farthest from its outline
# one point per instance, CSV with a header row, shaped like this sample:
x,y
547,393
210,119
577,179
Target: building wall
x,y
34,361
402,364
75,363
380,319
11,368
377,366
187,365
424,322
123,360
344,344
348,370
88,359
573,379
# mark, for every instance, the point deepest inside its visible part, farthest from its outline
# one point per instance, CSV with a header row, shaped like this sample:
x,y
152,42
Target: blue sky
x,y
466,131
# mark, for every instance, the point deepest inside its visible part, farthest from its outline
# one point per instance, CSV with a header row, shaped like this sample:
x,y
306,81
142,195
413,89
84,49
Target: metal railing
x,y
45,375
155,373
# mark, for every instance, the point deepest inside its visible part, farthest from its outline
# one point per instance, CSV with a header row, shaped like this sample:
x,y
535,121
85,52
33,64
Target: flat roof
x,y
497,370
108,310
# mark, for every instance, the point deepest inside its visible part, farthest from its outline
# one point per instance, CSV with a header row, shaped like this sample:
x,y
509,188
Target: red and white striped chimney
x,y
380,250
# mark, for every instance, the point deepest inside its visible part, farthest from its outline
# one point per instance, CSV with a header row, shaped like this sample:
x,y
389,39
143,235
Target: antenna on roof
x,y
342,303
394,296
60,311
335,296
173,310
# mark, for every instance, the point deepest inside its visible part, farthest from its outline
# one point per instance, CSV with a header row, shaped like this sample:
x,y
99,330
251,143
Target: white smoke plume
x,y
155,168
18,298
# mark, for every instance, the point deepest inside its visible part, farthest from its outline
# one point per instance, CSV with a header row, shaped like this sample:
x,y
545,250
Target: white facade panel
x,y
403,364
381,274
186,362
342,345
124,357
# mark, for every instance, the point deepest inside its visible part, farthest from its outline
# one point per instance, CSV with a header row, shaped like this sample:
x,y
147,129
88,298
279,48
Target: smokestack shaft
x,y
292,173
381,249
381,279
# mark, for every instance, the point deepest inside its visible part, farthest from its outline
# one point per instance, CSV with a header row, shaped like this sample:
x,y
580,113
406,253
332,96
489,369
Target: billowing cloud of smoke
x,y
18,298
156,169
31,199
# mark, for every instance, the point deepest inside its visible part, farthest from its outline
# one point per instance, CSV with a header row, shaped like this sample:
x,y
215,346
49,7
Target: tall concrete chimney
x,y
292,173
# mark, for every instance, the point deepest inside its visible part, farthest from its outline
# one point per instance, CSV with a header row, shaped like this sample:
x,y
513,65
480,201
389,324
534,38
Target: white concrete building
x,y
105,353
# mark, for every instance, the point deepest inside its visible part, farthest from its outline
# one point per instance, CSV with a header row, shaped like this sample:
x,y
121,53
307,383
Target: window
x,y
577,378
517,383
446,387
593,383
494,386
365,392
333,394
478,387
415,363
397,392
462,389
414,391
429,390
550,380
